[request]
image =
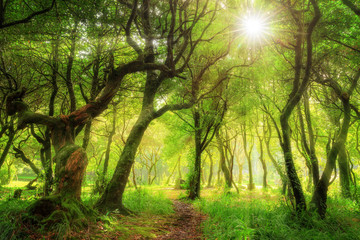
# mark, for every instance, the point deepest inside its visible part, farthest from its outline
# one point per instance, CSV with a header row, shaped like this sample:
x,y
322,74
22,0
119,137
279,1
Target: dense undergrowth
x,y
248,216
14,218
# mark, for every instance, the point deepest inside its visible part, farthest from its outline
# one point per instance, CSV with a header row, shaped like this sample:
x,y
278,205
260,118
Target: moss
x,y
59,214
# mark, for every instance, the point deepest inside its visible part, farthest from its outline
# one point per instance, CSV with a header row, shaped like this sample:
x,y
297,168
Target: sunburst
x,y
255,27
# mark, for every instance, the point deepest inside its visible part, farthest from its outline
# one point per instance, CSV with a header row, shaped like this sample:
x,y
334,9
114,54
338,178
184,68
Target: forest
x,y
179,119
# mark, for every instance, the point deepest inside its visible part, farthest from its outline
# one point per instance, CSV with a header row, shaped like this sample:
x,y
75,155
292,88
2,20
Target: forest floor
x,y
160,214
185,223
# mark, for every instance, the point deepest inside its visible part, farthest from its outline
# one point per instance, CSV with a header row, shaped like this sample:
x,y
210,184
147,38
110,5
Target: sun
x,y
255,27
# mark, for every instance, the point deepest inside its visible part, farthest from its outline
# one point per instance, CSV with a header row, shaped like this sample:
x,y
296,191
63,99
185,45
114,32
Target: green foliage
x,y
144,201
4,179
9,217
231,217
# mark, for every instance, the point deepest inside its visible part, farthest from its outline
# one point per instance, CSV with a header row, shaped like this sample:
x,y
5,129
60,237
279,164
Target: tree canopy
x,y
113,95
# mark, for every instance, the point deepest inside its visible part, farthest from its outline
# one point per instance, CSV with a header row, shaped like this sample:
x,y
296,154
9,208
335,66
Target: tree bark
x,y
11,136
344,172
194,191
111,199
313,158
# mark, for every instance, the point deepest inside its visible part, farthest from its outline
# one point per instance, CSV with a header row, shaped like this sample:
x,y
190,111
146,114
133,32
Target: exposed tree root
x,y
58,214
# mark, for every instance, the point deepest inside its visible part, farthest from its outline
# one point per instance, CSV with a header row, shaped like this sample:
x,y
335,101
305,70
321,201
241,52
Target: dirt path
x,y
185,223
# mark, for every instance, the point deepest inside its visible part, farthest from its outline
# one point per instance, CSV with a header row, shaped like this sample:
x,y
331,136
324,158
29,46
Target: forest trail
x,y
185,223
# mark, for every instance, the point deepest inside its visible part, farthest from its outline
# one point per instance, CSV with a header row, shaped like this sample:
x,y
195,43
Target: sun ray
x,y
255,27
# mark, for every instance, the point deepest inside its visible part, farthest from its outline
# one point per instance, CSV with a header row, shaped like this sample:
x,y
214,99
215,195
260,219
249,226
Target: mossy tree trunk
x,y
194,188
174,64
70,159
344,172
205,129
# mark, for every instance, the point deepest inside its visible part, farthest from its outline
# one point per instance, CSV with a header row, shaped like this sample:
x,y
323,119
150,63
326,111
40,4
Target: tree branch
x,y
28,18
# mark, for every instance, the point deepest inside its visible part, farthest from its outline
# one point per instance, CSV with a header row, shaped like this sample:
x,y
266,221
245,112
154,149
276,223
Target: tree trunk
x,y
251,185
263,163
155,174
203,177
261,158
240,172
308,146
305,155
290,167
134,177
69,67
46,152
86,138
172,172
344,172
222,163
108,148
9,142
320,194
194,188
9,175
210,169
313,158
298,88
219,180
277,166
111,199
71,163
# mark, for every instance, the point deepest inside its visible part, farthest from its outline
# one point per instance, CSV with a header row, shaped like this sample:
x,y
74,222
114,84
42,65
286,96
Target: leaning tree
x,y
171,32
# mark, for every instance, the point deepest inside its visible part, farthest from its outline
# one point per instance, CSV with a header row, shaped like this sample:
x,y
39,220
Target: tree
x,y
298,88
179,43
206,125
319,197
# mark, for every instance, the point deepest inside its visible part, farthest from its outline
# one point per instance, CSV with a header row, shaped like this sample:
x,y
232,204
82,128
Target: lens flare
x,y
255,27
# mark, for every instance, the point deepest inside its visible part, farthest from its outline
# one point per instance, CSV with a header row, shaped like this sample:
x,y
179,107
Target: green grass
x,y
250,217
145,201
10,214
